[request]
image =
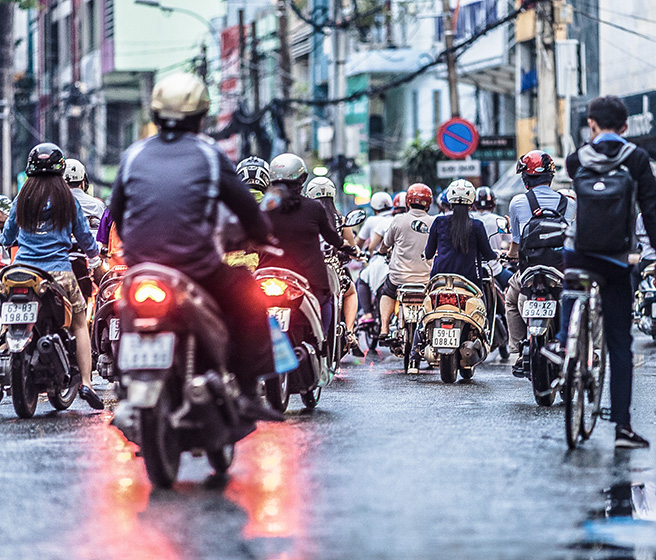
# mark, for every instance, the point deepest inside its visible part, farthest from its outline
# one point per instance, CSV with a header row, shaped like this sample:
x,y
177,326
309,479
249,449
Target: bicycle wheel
x,y
596,367
575,372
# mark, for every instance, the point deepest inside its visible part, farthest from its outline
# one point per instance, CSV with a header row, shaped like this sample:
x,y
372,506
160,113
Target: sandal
x,y
354,346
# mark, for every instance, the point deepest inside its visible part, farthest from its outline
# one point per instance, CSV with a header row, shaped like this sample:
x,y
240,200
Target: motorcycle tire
x,y
466,373
160,447
541,372
408,346
24,394
221,459
63,398
504,353
277,391
449,367
311,398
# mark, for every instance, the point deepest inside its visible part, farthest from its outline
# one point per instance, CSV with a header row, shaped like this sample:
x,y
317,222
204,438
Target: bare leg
x,y
350,306
83,342
386,309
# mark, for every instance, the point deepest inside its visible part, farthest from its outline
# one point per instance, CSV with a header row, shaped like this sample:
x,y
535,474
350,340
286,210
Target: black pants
x,y
245,315
617,302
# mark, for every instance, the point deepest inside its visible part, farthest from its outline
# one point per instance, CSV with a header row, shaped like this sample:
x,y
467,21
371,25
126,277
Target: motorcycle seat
x,y
581,277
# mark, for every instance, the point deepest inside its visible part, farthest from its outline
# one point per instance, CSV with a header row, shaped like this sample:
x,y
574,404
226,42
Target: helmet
x,y
180,95
536,162
460,191
320,187
485,199
398,204
46,158
288,168
5,204
74,172
442,202
419,194
380,201
255,172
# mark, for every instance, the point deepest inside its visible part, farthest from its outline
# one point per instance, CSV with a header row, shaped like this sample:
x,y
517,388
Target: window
x,y
109,19
92,34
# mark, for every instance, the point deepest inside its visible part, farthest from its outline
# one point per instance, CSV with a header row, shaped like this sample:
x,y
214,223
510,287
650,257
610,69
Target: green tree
x,y
420,162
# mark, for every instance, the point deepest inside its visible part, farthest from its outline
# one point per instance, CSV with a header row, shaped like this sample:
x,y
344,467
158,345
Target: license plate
x,y
446,338
114,329
539,309
19,313
282,315
653,310
411,313
141,351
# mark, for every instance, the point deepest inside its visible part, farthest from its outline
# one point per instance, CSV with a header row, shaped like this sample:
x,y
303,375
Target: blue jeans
x,y
617,302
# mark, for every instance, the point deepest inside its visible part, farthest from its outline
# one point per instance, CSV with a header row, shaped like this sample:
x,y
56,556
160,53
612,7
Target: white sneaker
x,y
413,370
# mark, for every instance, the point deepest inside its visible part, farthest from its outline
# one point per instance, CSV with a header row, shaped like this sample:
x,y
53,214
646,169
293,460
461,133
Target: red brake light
x,y
20,290
455,300
274,287
150,298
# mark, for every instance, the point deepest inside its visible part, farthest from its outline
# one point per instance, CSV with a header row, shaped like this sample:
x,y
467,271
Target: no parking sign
x,y
457,138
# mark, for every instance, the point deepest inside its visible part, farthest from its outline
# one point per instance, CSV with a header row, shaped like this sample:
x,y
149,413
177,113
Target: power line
x,y
325,23
623,14
615,25
441,57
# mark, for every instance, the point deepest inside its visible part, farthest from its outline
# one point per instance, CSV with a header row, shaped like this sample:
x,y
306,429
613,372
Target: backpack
x,y
544,235
605,210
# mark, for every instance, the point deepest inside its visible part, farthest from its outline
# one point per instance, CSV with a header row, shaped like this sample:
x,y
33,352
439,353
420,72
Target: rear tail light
x,y
274,287
113,292
455,300
150,298
20,290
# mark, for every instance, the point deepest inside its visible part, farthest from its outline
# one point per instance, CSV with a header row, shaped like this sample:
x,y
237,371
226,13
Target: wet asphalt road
x,y
387,467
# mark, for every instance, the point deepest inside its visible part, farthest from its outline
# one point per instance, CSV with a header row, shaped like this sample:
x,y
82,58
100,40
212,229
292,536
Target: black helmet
x,y
485,199
255,173
46,158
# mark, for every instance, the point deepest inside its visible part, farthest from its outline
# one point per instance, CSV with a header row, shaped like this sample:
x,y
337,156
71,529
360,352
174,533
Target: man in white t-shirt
x,y
76,177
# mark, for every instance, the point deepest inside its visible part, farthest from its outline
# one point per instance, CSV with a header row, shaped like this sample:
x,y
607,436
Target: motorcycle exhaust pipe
x,y
52,355
471,353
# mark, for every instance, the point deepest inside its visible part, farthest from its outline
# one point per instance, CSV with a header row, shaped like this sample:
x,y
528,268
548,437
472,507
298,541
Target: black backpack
x,y
544,235
605,210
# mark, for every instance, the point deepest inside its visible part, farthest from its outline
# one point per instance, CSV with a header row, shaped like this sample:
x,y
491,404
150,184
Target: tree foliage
x,y
23,4
420,160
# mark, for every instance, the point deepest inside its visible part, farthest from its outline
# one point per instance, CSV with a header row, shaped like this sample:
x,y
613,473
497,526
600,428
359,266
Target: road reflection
x,y
268,482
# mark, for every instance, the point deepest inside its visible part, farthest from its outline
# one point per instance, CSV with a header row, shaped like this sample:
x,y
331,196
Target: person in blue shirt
x,y
458,242
42,221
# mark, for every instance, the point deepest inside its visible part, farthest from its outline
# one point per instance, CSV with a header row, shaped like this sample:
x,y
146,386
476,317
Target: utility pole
x,y
339,91
450,58
242,52
6,90
255,67
285,59
548,110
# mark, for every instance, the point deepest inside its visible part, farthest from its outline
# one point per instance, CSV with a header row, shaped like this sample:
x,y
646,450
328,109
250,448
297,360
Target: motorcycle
x,y
298,312
409,308
644,308
41,356
539,303
496,317
179,394
105,331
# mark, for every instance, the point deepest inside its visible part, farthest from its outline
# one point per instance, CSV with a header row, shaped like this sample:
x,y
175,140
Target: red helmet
x,y
419,194
536,162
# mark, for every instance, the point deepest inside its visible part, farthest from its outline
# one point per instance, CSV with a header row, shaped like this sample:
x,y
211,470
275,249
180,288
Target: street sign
x,y
496,148
457,138
458,168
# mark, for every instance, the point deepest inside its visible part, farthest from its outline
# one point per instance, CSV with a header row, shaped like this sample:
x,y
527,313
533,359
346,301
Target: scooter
x,y
41,351
644,303
408,312
496,314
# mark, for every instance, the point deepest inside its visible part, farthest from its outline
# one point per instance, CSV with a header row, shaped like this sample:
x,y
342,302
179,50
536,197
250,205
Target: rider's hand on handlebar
x,y
95,262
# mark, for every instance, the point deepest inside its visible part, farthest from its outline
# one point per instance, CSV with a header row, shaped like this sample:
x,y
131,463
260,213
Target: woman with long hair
x,y
43,220
459,243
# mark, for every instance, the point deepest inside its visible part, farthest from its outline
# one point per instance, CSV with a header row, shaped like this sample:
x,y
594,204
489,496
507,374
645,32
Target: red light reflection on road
x,y
119,491
267,481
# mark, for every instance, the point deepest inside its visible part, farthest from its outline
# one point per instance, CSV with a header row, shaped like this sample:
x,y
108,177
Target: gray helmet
x,y
320,187
255,173
75,171
288,168
5,204
179,96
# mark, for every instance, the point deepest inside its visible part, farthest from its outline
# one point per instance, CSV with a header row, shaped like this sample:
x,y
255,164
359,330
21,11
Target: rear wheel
x,y
596,367
504,353
311,398
159,442
277,391
410,327
467,373
541,371
23,392
222,458
63,398
575,372
448,367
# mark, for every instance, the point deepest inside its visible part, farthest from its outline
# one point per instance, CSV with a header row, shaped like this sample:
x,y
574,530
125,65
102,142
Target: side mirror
x,y
419,226
502,225
355,217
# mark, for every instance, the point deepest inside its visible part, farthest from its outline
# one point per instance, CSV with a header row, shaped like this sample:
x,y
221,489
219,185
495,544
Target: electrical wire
x,y
614,25
321,27
622,14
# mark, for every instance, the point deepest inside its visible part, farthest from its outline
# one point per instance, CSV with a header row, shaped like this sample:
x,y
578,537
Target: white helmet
x,y
320,187
381,201
74,172
180,95
460,191
289,168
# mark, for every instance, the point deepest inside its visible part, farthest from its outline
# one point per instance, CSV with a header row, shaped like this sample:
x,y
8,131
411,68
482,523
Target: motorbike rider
x,y
109,241
43,220
381,203
407,245
165,204
76,177
537,169
443,204
398,204
5,209
647,253
607,120
484,204
323,190
297,224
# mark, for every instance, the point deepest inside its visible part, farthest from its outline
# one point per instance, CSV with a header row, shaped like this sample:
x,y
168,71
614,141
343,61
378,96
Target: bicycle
x,y
585,359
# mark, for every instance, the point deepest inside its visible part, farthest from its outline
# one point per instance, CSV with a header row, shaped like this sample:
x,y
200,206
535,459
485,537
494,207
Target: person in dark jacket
x,y
459,243
607,119
297,223
165,204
